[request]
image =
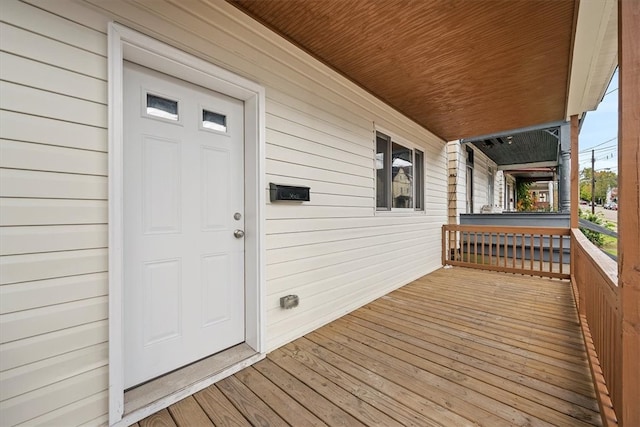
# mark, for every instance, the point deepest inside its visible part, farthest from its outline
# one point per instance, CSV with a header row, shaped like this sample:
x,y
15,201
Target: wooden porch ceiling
x,y
457,347
460,68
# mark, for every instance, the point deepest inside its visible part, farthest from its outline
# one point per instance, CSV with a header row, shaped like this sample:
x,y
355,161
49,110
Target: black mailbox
x,y
288,192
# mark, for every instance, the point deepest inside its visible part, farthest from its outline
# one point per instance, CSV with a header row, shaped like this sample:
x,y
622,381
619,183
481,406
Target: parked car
x,y
607,206
613,206
584,202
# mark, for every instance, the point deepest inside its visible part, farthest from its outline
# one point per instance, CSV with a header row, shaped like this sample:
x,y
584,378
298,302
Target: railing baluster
x,y
483,249
513,249
541,251
522,251
561,255
475,247
550,253
531,252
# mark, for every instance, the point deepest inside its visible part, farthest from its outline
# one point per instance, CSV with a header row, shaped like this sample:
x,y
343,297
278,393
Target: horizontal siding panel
x,y
81,412
337,235
52,26
52,212
286,169
276,226
289,127
282,104
344,189
316,161
281,211
24,127
74,12
36,184
25,240
291,253
26,268
25,72
319,264
36,375
39,347
29,323
49,51
322,279
41,293
318,148
319,199
38,402
38,102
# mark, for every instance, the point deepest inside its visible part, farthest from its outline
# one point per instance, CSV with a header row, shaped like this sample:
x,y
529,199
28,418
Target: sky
x,y
600,132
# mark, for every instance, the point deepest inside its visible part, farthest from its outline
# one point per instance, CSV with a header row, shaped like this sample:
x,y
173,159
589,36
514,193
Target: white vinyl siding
x,y
53,234
333,251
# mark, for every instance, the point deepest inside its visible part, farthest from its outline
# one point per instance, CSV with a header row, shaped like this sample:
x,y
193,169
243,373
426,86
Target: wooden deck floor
x,y
457,347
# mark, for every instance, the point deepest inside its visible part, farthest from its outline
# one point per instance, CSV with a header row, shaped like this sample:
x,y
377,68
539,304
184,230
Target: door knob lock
x,y
239,234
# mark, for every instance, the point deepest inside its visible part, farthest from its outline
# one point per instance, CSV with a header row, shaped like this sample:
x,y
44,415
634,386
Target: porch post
x,y
564,190
629,207
575,191
575,195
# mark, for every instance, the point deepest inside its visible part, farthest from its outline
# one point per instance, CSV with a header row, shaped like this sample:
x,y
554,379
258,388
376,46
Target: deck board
x,y
457,347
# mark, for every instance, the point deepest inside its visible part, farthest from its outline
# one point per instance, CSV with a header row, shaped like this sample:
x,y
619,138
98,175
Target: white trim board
x,y
126,44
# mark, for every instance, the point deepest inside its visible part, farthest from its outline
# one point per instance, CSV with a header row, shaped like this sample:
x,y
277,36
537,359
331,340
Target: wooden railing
x,y
595,282
543,251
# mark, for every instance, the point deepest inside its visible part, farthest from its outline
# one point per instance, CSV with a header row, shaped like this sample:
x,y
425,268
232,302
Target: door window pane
x,y
162,107
214,121
402,176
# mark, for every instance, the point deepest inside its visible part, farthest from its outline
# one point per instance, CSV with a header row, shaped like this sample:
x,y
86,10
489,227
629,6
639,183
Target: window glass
x,y
399,176
162,107
214,121
402,176
382,172
419,179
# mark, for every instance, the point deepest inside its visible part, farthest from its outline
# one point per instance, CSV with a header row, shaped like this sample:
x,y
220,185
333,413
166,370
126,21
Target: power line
x,y
611,91
598,145
599,150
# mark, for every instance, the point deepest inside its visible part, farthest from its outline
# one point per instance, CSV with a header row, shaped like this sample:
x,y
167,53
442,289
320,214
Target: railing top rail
x,y
607,267
546,231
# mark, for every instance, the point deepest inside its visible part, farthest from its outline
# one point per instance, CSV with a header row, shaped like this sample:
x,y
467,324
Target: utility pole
x,y
593,182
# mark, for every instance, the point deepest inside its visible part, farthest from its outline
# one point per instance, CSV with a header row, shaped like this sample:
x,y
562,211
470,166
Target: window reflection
x,y
401,176
162,107
214,121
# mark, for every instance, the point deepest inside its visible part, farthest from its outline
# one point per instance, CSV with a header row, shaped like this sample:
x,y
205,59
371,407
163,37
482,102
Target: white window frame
x,y
405,143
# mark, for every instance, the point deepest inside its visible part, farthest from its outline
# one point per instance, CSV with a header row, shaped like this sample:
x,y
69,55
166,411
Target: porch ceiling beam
x,y
520,166
629,206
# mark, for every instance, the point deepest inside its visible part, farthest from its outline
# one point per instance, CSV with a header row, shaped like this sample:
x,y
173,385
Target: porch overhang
x,y
460,68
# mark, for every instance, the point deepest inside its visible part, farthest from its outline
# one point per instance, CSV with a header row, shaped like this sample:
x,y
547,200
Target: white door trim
x,y
127,44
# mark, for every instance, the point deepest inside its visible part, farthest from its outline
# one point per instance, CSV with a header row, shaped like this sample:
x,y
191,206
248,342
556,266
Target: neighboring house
x,y
136,212
475,183
537,156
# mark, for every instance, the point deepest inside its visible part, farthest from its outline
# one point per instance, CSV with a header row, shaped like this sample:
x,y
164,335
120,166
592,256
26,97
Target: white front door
x,y
183,222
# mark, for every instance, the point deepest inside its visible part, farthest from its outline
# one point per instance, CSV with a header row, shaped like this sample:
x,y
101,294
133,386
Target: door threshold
x,y
157,394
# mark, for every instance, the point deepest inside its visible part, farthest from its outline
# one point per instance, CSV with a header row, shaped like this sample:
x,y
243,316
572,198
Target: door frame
x,y
127,44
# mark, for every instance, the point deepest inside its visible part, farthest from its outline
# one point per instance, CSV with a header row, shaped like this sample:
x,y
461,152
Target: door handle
x,y
239,234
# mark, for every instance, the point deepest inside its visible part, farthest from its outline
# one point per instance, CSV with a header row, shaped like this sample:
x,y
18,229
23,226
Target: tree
x,y
604,181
